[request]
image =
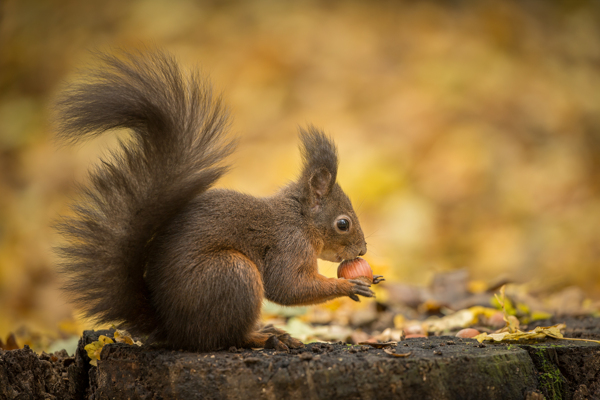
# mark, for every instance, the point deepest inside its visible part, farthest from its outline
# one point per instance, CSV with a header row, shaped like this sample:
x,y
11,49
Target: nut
x,y
357,268
467,333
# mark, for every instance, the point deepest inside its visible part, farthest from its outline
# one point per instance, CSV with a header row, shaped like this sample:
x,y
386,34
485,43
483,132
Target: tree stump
x,y
436,368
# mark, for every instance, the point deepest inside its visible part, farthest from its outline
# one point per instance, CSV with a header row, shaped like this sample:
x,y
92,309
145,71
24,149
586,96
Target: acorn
x,y
356,268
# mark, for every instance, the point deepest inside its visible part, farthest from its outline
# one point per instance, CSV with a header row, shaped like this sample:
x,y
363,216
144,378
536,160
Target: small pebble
x,y
497,320
467,333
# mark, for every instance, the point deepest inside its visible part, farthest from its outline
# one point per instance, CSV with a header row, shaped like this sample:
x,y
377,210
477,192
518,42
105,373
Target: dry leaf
x,y
391,352
539,332
511,330
95,348
512,323
122,336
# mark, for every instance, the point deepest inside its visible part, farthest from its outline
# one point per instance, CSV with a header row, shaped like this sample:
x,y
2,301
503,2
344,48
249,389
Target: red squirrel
x,y
151,246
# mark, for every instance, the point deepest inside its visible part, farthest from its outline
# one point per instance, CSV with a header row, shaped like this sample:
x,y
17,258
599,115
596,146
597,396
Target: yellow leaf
x,y
122,336
503,302
105,339
480,310
537,315
539,332
512,323
95,348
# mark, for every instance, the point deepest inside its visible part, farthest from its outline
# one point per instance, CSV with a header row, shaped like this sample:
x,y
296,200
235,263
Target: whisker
x,y
360,205
375,253
372,234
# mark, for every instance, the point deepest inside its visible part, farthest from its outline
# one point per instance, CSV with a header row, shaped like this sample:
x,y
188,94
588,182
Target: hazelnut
x,y
467,333
355,269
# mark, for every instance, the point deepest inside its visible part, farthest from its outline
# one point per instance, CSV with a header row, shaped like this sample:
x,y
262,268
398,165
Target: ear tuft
x,y
320,164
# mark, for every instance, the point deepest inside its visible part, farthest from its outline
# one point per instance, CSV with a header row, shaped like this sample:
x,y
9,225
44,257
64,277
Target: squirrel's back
x,y
175,153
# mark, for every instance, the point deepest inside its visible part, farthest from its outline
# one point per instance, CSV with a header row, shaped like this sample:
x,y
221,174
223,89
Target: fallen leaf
x,y
122,336
389,334
391,352
512,323
95,348
539,332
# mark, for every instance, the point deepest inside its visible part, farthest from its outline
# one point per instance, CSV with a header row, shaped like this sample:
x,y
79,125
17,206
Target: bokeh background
x,y
469,132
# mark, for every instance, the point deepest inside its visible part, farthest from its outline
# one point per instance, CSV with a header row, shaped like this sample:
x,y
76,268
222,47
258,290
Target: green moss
x,y
550,379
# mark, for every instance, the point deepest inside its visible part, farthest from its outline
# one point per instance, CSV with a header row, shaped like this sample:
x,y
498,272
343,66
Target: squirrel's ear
x,y
320,164
320,184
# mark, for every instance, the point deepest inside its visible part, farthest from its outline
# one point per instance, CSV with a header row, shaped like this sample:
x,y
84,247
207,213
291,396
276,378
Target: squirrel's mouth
x,y
329,255
338,256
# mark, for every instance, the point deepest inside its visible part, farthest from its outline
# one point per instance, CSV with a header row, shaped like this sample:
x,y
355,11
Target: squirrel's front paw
x,y
360,287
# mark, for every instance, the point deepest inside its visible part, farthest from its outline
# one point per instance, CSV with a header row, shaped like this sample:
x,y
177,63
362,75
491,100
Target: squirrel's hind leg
x,y
209,305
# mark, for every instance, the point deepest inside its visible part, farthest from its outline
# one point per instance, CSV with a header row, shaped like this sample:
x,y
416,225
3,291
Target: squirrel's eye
x,y
343,224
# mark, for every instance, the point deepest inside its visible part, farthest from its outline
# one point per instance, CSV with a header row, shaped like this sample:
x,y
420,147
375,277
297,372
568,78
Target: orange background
x,y
469,132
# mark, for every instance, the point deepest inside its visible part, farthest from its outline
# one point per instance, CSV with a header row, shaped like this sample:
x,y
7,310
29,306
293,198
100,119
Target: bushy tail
x,y
174,154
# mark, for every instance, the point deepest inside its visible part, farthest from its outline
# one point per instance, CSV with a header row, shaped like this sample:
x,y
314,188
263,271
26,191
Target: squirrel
x,y
154,248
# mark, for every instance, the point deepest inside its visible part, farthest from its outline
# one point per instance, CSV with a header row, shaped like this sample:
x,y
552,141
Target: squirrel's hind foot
x,y
270,337
283,342
282,336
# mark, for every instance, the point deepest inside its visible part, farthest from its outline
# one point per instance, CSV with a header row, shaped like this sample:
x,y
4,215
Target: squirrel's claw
x,y
273,342
361,288
291,342
282,342
377,279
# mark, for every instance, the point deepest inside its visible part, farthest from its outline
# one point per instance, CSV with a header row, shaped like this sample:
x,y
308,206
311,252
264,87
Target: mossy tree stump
x,y
437,368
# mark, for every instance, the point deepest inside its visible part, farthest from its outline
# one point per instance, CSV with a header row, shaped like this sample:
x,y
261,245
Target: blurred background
x,y
468,132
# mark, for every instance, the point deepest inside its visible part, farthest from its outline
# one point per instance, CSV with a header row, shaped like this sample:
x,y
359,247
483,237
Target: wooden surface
x,y
437,368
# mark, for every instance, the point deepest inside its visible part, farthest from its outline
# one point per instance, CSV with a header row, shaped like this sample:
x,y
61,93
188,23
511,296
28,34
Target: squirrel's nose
x,y
363,250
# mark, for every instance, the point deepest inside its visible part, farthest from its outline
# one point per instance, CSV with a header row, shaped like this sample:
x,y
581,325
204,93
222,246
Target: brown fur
x,y
152,248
